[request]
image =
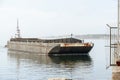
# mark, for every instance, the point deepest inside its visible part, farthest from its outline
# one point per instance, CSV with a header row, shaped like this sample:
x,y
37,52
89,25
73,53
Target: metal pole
x,y
110,42
118,25
110,46
118,22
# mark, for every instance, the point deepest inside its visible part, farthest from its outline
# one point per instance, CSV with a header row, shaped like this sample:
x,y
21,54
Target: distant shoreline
x,y
94,36
84,36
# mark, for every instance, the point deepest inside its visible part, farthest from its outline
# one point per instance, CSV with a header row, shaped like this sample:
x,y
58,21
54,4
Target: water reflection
x,y
71,58
43,59
51,66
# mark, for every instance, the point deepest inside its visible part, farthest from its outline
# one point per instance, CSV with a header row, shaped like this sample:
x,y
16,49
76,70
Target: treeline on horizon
x,y
96,36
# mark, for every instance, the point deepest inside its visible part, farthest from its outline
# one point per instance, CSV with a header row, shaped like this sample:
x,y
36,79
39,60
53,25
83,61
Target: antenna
x,y
18,30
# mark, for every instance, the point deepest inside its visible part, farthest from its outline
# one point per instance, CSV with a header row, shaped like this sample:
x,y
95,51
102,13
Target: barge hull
x,y
81,49
73,51
48,47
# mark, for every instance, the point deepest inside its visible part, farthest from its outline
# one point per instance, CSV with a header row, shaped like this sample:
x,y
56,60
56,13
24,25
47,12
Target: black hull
x,y
80,50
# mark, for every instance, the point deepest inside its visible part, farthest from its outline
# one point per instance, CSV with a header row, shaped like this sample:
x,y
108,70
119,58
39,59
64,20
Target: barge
x,y
50,46
69,46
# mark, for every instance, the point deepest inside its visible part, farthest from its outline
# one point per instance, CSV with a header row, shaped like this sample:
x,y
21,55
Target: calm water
x,y
24,66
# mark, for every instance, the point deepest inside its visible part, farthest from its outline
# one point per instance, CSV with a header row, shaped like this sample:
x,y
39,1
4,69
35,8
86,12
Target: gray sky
x,y
41,18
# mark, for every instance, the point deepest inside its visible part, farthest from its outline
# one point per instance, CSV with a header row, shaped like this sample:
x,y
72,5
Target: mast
x,y
18,30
